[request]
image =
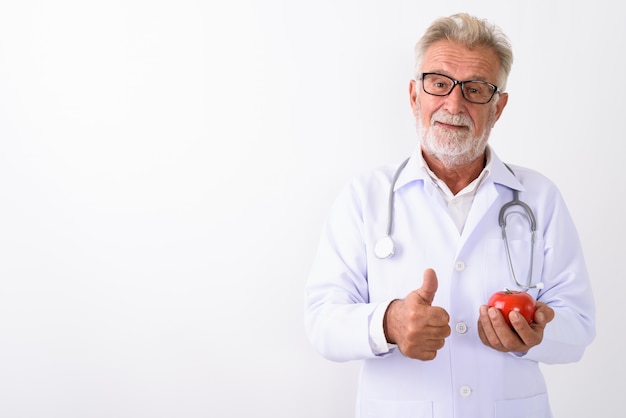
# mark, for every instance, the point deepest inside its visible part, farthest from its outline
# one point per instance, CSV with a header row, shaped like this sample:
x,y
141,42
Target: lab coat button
x,y
465,391
459,265
461,327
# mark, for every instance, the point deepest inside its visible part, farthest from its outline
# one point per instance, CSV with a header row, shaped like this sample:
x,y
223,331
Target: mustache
x,y
448,119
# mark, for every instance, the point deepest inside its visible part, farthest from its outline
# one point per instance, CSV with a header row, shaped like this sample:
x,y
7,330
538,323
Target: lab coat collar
x,y
498,171
502,175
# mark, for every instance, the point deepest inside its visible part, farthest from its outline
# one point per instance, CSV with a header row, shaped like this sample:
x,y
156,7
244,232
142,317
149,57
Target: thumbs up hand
x,y
416,327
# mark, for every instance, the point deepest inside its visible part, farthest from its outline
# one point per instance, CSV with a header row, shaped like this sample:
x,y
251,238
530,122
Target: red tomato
x,y
513,300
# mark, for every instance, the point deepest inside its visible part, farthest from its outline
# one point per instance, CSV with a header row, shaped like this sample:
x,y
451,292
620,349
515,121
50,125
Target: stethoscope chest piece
x,y
384,247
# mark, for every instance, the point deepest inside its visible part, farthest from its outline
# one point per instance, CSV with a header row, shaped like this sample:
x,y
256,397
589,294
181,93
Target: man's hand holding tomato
x,y
494,331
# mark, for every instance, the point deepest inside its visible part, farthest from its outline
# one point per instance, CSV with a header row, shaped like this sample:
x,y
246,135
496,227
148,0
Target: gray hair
x,y
471,32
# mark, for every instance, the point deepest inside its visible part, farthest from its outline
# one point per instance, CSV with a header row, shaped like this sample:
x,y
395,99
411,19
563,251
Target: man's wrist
x,y
378,338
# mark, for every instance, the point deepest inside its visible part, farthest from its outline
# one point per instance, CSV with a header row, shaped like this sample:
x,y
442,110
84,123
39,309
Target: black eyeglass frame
x,y
462,84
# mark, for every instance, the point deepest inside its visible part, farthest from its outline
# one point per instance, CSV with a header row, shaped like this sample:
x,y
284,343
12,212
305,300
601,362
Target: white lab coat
x,y
466,379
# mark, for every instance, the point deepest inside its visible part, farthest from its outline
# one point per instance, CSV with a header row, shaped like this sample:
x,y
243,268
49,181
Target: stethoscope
x,y
385,247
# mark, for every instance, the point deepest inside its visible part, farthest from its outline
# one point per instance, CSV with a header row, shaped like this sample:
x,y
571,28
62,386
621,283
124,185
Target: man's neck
x,y
456,177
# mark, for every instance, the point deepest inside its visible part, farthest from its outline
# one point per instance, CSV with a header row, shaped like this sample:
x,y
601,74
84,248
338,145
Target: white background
x,y
166,166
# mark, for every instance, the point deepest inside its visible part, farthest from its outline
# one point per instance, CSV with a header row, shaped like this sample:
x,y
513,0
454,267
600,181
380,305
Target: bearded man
x,y
409,256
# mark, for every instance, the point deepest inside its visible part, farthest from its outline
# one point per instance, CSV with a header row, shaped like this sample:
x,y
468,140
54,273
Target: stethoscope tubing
x,y
385,247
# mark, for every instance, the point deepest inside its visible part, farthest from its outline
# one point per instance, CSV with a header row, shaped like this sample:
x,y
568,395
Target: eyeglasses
x,y
474,91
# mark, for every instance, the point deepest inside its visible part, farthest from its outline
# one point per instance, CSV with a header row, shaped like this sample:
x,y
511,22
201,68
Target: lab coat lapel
x,y
485,198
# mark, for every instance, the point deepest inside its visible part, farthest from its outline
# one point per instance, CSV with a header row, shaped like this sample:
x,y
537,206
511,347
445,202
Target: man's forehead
x,y
455,59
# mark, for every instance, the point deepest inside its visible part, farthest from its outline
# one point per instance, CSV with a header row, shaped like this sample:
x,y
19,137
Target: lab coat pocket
x,y
533,407
379,408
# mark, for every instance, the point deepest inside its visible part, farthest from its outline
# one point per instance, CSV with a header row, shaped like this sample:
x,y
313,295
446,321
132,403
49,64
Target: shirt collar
x,y
495,171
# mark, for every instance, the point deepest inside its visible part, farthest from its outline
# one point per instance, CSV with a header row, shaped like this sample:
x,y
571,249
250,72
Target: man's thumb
x,y
429,287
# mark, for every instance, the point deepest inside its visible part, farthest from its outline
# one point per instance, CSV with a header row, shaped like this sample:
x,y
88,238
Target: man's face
x,y
451,129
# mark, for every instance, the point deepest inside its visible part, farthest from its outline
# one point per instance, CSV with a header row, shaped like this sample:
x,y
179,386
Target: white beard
x,y
453,148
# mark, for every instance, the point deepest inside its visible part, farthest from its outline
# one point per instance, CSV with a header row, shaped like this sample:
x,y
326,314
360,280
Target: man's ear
x,y
413,85
502,101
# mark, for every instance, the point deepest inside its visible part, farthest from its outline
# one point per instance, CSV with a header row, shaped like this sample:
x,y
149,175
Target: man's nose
x,y
455,102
